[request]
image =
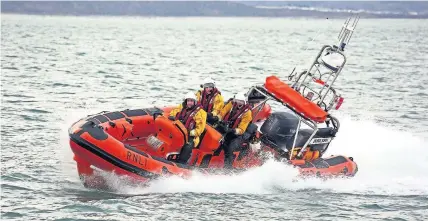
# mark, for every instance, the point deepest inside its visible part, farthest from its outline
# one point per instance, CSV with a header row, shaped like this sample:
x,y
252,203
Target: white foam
x,y
390,163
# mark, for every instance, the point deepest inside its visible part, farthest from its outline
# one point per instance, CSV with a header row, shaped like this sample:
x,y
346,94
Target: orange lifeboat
x,y
143,144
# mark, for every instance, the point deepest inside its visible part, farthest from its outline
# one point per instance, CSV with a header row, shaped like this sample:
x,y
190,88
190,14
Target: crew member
x,y
237,115
194,119
210,99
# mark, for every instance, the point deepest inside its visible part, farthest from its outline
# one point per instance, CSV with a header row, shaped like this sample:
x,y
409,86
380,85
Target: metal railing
x,y
315,73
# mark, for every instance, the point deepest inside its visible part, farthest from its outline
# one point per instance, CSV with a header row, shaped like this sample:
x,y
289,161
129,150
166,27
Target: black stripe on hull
x,y
112,159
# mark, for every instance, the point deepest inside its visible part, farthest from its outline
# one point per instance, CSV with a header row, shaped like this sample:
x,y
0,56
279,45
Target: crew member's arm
x,y
246,119
200,123
225,110
198,95
218,104
175,110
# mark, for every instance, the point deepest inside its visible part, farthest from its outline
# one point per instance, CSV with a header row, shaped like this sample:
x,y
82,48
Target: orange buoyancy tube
x,y
261,113
120,130
94,146
170,137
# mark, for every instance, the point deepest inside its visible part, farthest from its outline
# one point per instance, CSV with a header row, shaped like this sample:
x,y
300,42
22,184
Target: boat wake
x,y
390,162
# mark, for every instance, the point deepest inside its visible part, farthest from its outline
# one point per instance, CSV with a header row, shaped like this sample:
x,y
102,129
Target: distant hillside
x,y
213,8
384,7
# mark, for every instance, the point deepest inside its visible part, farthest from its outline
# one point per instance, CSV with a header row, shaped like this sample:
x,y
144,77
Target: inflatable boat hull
x,y
118,142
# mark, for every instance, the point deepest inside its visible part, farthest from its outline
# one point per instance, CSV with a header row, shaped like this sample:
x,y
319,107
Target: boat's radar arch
x,y
310,94
316,82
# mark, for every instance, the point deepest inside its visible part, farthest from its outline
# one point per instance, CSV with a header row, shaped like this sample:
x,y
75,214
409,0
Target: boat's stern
x,y
333,166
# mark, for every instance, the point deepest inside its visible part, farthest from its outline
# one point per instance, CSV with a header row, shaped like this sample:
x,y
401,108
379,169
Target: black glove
x,y
171,118
229,130
209,115
216,119
222,127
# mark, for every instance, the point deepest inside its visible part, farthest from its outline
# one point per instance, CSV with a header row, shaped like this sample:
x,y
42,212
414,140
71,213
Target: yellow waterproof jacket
x,y
176,110
218,103
200,119
246,118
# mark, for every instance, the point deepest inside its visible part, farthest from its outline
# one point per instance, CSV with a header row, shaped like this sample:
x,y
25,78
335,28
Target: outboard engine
x,y
279,131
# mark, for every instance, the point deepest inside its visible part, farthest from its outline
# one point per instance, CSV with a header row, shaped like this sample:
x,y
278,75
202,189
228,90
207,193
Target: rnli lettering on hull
x,y
136,158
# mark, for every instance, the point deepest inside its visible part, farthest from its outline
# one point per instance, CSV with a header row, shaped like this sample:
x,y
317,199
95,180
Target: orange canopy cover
x,y
294,99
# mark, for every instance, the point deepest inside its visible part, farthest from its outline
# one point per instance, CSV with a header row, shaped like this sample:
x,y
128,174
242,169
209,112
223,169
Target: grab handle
x,y
155,115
